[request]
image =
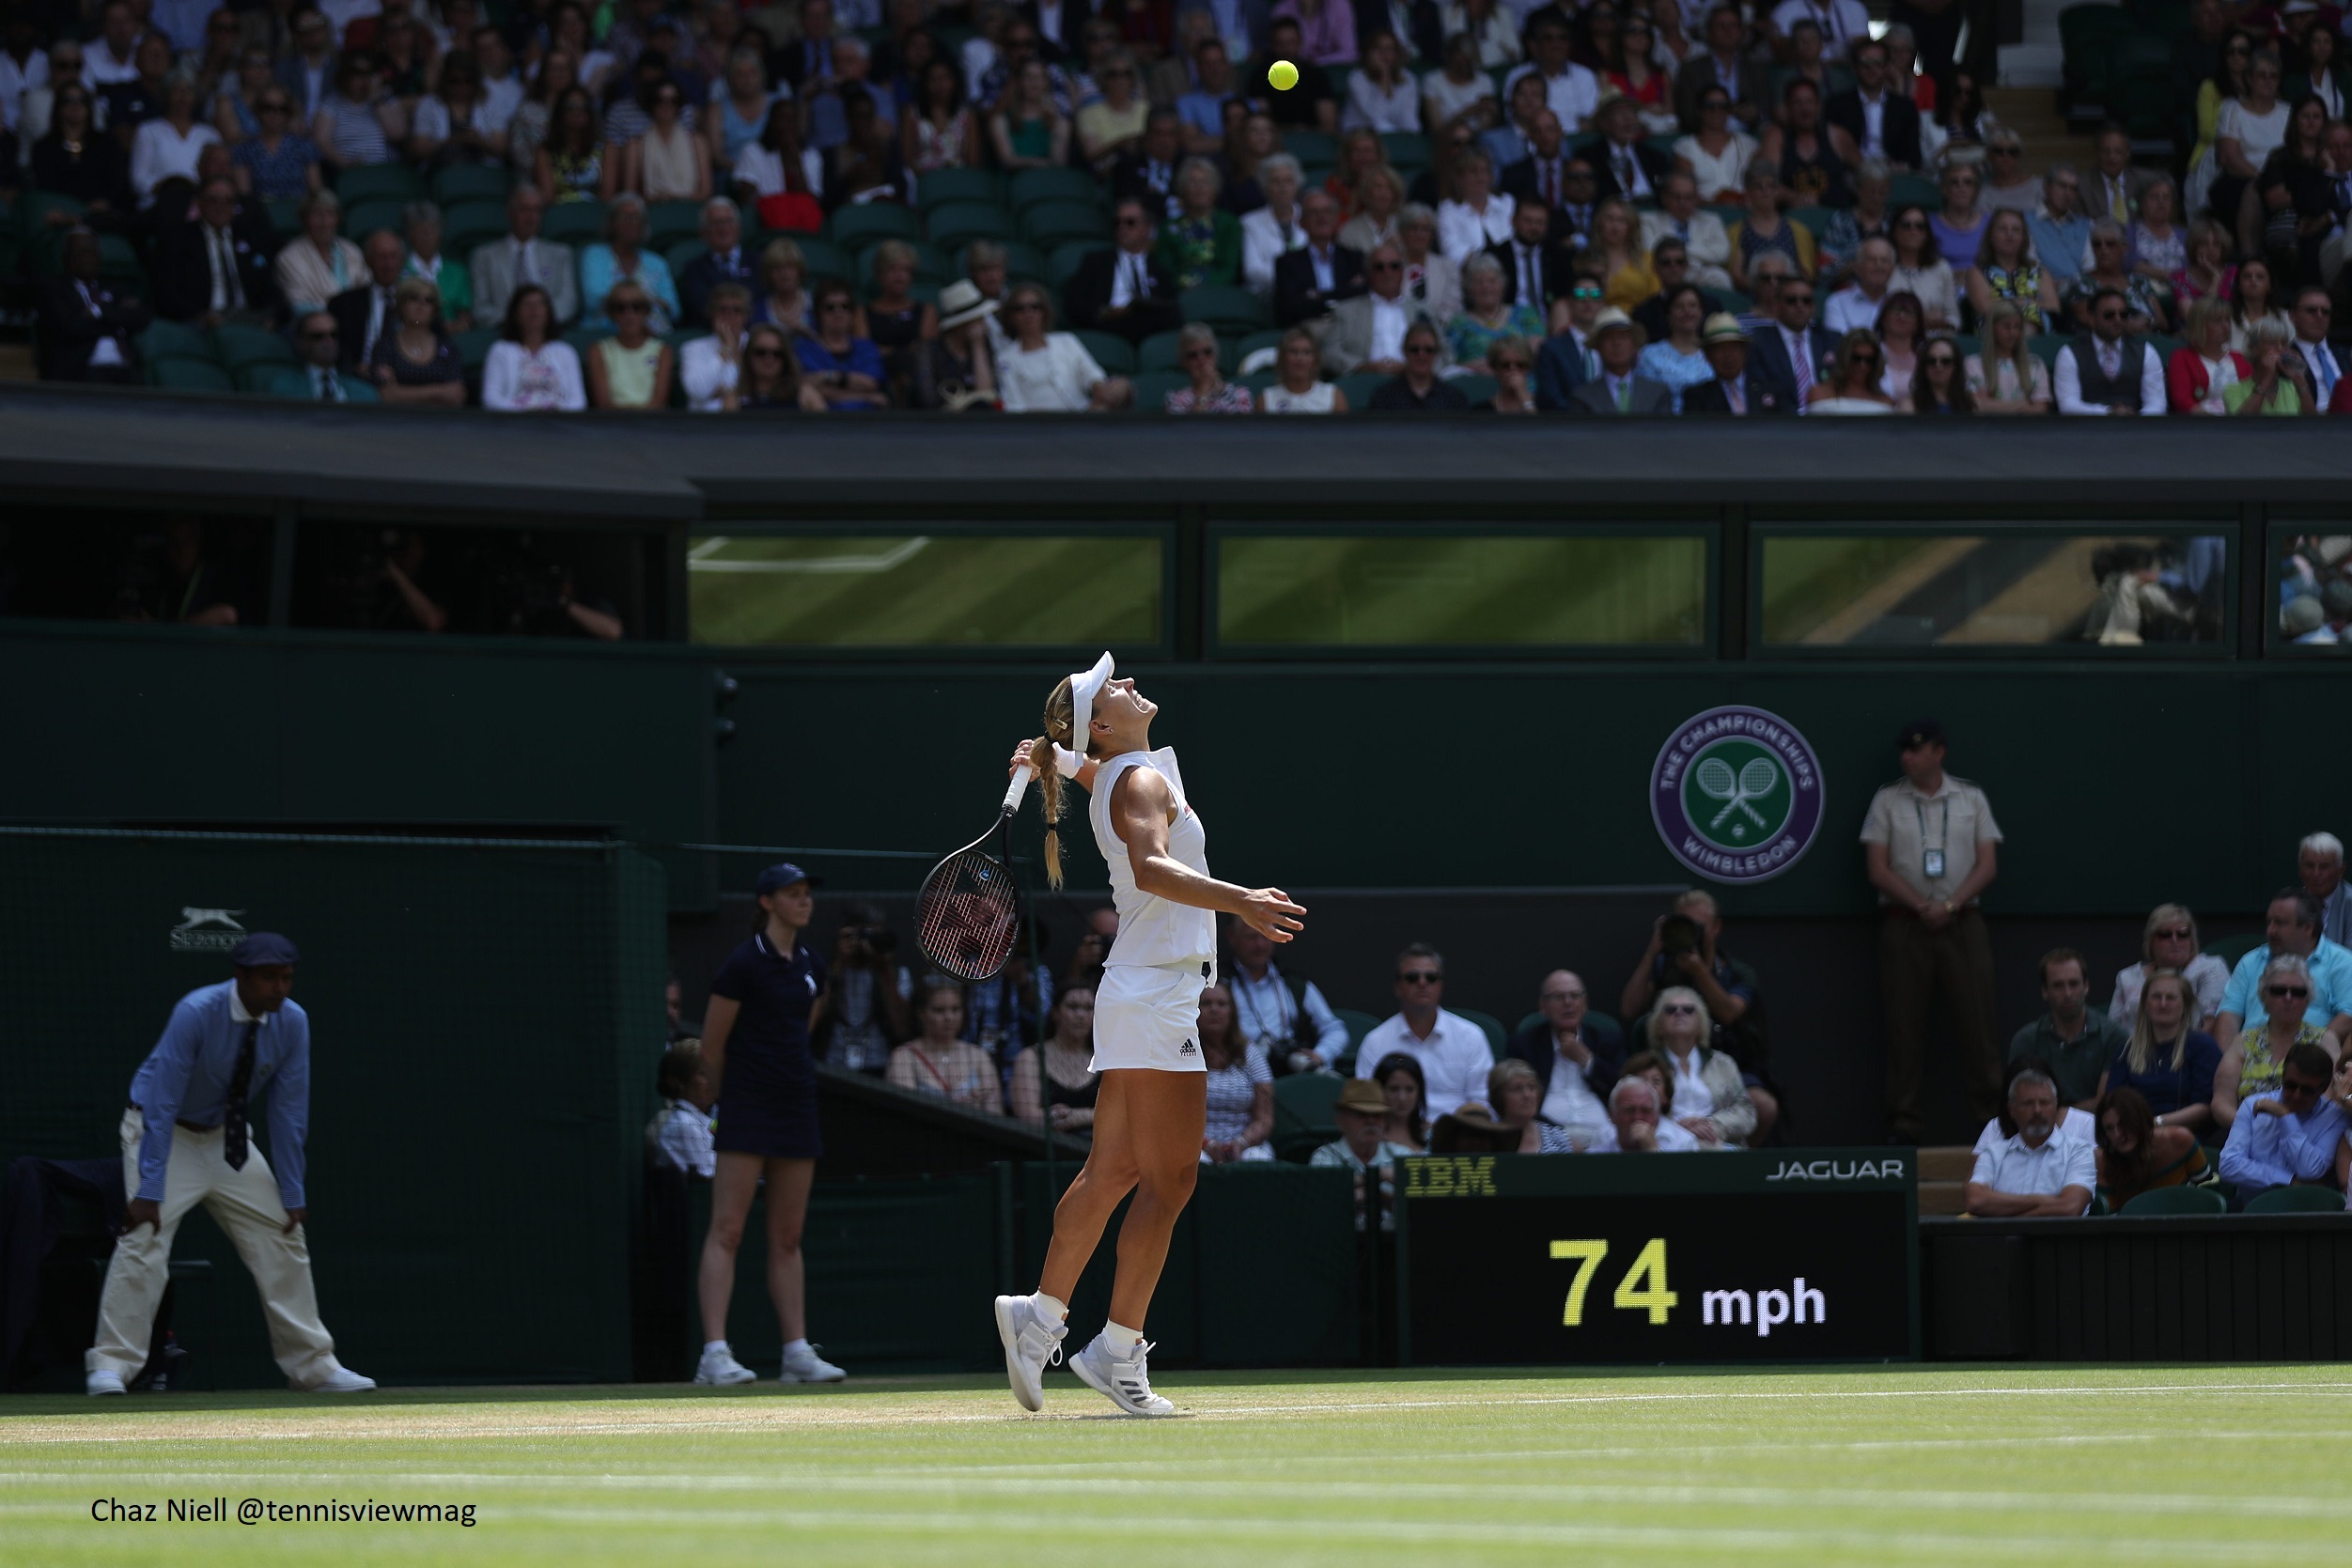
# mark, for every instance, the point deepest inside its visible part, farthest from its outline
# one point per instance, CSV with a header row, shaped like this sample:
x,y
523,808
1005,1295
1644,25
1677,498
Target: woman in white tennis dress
x,y
1151,1110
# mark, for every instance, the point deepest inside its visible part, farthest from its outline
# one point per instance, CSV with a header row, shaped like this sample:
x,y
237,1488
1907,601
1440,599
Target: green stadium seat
x,y
1311,147
1112,352
1407,149
1967,343
363,218
1160,351
1067,259
855,227
1035,187
255,380
474,346
684,254
1271,339
174,340
1257,381
378,183
471,182
942,186
1051,223
189,375
820,259
1153,386
585,338
1478,389
2231,949
2178,1199
118,261
2279,1200
467,224
1357,389
930,266
236,347
1905,189
1498,1043
1023,262
1359,1025
286,216
1303,1117
954,225
666,220
1814,219
1229,309
572,223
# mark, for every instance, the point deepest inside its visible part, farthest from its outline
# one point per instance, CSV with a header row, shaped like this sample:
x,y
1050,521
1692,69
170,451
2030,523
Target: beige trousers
x,y
245,1203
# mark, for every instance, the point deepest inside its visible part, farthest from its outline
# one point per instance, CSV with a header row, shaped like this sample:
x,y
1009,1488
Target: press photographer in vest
x,y
1284,1014
187,1139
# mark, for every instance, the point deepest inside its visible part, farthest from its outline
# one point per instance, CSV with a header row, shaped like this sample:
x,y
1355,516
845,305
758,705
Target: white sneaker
x,y
720,1369
1121,1379
1032,1342
809,1367
342,1380
103,1382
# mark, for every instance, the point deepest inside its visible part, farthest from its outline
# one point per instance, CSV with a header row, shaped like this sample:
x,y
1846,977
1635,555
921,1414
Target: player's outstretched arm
x,y
1140,804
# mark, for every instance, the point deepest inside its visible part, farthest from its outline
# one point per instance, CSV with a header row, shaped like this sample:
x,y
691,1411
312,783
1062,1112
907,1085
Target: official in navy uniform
x,y
188,1140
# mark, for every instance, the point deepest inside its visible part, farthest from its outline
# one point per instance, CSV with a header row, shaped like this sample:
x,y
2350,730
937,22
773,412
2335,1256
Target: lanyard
x,y
1247,988
1943,834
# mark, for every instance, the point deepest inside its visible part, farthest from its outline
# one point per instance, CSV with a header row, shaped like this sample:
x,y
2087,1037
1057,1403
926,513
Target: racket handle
x,y
1019,787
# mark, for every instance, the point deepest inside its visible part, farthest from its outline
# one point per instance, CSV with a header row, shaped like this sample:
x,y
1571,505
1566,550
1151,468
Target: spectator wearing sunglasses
x,y
1710,1101
2292,926
1568,359
1129,290
846,369
1512,362
2289,1136
2169,941
278,162
1209,392
1938,385
1451,1051
1792,352
2251,1063
1367,333
1852,384
2106,371
1418,389
1043,371
632,368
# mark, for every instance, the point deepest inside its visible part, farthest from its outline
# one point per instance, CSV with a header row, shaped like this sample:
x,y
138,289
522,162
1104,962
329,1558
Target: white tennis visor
x,y
1085,686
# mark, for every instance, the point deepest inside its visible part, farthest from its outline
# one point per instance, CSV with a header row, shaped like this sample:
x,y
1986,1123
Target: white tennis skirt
x,y
1149,1016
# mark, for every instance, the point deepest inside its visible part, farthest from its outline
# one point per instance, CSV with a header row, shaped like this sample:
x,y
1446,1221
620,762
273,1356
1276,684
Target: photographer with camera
x,y
1283,1015
1686,948
868,1014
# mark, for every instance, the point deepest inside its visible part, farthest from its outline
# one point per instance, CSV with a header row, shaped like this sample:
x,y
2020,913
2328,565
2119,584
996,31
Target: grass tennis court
x,y
2209,1464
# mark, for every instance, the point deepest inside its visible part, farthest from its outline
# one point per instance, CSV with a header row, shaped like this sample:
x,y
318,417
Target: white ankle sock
x,y
1122,1338
714,1345
796,1347
1051,1307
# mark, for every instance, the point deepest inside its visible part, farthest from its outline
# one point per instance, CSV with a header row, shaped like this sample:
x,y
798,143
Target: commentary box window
x,y
2019,587
926,590
1517,591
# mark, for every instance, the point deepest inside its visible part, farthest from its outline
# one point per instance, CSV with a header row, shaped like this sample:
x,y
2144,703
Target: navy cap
x,y
1918,733
780,875
263,948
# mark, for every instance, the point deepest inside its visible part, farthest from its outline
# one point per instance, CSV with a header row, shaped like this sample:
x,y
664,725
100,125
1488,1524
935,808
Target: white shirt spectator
x,y
2008,1166
17,80
1693,1097
2069,377
2207,975
1389,326
1059,378
681,1139
1703,236
1450,99
1850,309
1264,241
1454,1059
1370,109
100,69
1725,172
1462,233
515,380
1842,22
431,119
1672,1138
763,170
2077,1124
158,152
1939,293
500,99
706,374
1573,95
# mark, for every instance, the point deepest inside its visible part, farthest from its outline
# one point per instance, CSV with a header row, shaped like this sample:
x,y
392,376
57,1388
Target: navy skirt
x,y
758,1115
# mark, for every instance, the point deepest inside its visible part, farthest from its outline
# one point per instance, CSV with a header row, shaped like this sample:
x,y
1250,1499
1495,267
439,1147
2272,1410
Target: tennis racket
x,y
968,915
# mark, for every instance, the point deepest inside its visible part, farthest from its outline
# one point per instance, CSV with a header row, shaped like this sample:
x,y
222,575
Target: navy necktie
x,y
234,1135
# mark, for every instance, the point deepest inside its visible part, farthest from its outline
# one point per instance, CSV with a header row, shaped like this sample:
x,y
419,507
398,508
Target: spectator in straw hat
x,y
1362,1114
1735,389
1617,390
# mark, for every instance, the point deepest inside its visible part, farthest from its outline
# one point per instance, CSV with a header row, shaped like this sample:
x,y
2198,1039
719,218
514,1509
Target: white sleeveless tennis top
x,y
1153,930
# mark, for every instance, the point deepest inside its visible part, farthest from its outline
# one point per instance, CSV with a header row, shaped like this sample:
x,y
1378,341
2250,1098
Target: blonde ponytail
x,y
1059,709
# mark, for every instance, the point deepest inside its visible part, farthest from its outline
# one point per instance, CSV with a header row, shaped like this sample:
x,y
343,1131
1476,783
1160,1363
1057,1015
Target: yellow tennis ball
x,y
1283,74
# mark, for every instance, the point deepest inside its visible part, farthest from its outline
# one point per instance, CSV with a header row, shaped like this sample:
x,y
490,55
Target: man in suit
x,y
366,313
1723,63
318,379
1319,274
2114,189
217,268
1541,177
1670,263
1788,356
1566,360
1367,333
1061,26
523,258
1883,123
1617,390
88,329
725,261
1125,289
1679,216
1148,174
1629,168
1533,270
806,62
308,74
1735,391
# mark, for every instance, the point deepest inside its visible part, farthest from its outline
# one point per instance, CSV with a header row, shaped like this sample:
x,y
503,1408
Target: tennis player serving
x,y
1153,1107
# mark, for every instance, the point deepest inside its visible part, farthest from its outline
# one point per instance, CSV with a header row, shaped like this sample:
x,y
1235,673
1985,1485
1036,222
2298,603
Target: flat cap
x,y
261,949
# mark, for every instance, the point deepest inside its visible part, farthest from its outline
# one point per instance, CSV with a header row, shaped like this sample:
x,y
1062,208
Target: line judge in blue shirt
x,y
188,1140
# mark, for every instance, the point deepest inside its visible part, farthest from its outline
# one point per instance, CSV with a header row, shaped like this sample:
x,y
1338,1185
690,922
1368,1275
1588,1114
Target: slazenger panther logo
x,y
1737,794
207,930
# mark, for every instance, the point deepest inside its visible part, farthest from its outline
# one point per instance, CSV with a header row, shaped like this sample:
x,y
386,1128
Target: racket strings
x,y
968,915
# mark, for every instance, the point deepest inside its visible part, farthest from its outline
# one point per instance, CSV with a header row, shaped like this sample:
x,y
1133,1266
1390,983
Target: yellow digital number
x,y
1587,1255
1650,1266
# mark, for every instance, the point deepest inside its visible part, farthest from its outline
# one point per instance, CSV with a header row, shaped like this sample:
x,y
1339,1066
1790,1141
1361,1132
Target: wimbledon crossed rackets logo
x,y
1737,794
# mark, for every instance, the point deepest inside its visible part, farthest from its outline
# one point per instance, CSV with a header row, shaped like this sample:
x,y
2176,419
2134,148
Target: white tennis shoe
x,y
106,1381
1032,1342
1122,1379
806,1366
720,1370
340,1380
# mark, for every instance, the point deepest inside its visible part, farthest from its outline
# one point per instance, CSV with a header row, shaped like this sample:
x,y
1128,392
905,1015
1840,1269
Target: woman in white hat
x,y
1151,1110
957,369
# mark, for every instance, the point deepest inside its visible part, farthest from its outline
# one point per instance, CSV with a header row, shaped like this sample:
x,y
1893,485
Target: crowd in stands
x,y
1632,207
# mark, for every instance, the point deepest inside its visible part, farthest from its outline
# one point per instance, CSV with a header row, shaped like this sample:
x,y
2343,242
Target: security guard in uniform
x,y
1930,843
188,1140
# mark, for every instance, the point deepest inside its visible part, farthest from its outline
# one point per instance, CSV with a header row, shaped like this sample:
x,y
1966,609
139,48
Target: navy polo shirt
x,y
768,1044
